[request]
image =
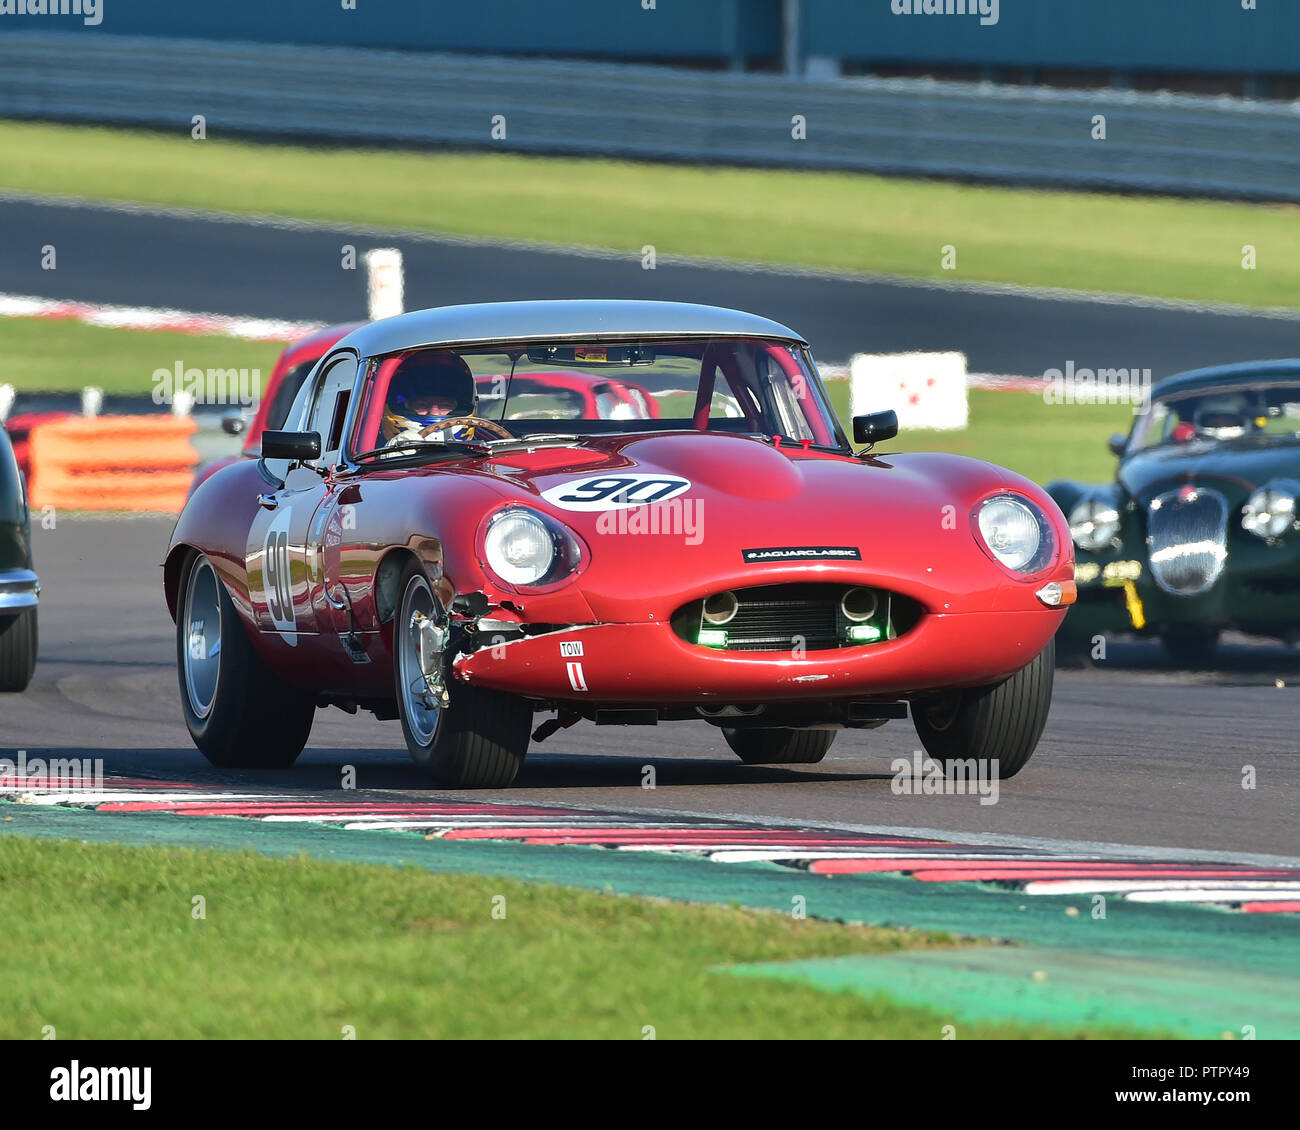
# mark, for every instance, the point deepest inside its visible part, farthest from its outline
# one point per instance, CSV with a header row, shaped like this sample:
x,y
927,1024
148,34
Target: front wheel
x,y
239,713
761,746
999,723
17,651
466,737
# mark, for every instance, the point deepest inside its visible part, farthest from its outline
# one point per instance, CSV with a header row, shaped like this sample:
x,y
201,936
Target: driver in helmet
x,y
427,389
1223,417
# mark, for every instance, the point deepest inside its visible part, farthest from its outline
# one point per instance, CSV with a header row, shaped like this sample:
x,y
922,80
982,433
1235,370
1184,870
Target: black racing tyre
x,y
1002,722
239,713
478,740
18,639
760,746
1191,645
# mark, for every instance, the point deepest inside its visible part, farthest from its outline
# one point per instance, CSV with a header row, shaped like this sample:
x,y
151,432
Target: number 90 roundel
x,y
612,492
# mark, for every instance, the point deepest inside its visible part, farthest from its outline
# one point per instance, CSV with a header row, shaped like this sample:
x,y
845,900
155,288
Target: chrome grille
x,y
1186,539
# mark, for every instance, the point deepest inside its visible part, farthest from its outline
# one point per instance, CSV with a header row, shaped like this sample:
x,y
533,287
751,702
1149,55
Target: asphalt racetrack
x,y
1135,752
133,257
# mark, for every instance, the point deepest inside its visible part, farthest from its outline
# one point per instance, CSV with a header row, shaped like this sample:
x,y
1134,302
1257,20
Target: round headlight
x,y
1269,513
1012,531
1094,524
519,546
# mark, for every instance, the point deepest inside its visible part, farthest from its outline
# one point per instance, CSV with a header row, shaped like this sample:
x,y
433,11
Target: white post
x,y
385,282
92,400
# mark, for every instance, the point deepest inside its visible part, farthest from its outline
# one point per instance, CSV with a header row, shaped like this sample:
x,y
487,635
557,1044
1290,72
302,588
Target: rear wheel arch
x,y
175,568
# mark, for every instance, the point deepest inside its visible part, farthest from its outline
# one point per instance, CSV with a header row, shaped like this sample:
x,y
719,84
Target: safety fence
x,y
1126,140
138,463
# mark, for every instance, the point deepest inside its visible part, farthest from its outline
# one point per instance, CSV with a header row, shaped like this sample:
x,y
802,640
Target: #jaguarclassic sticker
x,y
802,553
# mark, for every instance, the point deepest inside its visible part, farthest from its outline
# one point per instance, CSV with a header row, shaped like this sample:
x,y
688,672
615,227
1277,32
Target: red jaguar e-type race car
x,y
412,546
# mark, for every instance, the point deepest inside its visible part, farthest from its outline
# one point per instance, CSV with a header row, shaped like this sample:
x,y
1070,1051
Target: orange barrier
x,y
19,426
113,463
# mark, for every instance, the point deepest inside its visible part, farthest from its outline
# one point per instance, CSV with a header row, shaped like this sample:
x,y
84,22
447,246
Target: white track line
x,y
444,826
153,319
1214,894
775,856
1089,886
456,820
724,852
1102,851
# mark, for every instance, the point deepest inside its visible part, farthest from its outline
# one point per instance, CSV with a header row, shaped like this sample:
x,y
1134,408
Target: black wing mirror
x,y
875,427
1117,443
296,446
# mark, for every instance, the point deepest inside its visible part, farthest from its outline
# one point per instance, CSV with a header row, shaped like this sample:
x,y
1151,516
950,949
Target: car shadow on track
x,y
321,772
563,771
1236,660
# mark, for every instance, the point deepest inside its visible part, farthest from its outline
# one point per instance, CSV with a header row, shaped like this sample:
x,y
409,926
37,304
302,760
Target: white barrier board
x,y
927,390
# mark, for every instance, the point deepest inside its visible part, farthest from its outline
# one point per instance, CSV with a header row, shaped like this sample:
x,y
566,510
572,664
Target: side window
x,y
290,386
330,410
295,420
784,399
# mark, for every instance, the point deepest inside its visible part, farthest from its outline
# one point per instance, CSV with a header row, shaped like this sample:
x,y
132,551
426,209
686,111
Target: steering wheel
x,y
453,422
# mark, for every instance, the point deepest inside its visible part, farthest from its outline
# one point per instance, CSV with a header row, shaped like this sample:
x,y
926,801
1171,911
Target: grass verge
x,y
44,355
1168,248
301,948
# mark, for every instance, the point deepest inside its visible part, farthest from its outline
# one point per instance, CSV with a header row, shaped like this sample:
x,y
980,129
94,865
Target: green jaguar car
x,y
1199,532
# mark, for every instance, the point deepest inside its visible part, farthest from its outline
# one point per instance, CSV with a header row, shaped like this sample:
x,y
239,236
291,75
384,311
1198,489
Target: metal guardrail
x,y
1155,143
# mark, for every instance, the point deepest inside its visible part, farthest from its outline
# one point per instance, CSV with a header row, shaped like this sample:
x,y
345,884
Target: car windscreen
x,y
732,384
1232,412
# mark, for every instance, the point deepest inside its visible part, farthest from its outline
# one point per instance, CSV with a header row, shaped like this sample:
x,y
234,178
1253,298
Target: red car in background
x,y
731,560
